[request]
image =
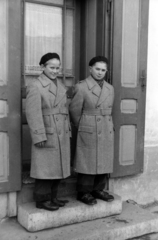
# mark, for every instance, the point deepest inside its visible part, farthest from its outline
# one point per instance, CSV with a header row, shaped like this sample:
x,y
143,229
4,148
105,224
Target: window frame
x,y
64,8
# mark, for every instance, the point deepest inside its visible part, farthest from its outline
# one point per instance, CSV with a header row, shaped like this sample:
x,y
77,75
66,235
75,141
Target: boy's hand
x,y
40,144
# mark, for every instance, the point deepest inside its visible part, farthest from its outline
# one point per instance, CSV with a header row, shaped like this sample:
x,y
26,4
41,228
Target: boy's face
x,y
98,70
51,69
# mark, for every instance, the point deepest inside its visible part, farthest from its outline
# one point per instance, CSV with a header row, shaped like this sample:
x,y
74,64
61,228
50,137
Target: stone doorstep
x,y
132,223
34,219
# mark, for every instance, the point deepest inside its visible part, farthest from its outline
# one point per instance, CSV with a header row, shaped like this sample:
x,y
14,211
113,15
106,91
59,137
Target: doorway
x,y
77,31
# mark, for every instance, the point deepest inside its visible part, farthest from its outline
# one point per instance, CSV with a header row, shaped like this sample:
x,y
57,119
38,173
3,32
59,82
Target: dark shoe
x,y
47,206
63,201
86,198
57,202
105,196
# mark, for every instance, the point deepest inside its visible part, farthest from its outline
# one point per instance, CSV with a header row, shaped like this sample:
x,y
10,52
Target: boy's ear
x,y
42,67
90,68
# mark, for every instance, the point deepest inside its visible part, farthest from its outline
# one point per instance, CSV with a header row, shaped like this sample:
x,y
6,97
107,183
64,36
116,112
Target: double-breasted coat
x,y
90,110
48,120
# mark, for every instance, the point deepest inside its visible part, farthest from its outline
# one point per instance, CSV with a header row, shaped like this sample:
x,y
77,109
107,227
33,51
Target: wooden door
x,y
10,96
129,65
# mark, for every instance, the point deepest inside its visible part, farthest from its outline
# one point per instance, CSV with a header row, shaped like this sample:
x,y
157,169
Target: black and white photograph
x,y
78,120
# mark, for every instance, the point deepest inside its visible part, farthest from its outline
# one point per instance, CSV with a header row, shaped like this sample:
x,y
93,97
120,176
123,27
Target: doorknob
x,y
143,80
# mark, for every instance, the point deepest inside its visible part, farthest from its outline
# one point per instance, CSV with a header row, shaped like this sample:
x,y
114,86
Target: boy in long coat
x,y
90,110
48,120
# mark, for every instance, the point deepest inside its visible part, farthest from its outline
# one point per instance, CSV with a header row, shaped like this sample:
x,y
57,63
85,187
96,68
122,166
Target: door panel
x,y
10,88
129,68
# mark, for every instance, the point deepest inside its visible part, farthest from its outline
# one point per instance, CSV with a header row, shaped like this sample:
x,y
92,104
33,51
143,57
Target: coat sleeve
x,y
34,114
76,105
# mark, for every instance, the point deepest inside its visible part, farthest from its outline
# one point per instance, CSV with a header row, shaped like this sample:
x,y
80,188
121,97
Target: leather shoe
x,y
63,200
86,198
47,206
57,202
105,196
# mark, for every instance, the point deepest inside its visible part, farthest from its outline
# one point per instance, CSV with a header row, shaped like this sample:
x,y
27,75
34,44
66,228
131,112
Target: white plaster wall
x,y
3,205
151,130
143,188
8,205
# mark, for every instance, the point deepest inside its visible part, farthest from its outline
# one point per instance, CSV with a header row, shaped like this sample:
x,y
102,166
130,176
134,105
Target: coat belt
x,y
98,112
53,111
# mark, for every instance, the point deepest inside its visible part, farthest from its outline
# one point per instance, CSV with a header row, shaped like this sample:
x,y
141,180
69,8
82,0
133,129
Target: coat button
x,y
98,119
57,119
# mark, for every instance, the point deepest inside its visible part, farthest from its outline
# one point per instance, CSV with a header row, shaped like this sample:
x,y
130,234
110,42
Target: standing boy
x,y
90,110
48,120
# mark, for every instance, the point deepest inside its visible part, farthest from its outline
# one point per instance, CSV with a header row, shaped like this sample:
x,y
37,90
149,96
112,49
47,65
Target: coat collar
x,y
45,81
92,85
58,91
102,94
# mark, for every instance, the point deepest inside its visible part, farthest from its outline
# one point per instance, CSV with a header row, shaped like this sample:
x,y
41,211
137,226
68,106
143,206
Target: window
x,y
48,27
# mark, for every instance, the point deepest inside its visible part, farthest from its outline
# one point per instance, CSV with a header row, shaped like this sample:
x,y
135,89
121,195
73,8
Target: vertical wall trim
x,y
12,204
14,95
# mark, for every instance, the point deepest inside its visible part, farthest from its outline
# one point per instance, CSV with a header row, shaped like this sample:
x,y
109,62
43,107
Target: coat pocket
x,y
86,137
51,138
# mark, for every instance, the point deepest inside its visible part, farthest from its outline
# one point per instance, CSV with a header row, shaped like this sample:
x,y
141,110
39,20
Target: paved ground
x,y
154,209
16,229
147,237
11,230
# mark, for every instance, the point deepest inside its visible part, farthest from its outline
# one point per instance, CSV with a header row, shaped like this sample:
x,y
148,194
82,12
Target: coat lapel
x,y
93,86
45,81
53,88
104,94
61,91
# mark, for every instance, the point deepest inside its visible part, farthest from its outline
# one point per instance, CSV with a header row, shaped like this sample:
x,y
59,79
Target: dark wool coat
x,y
90,110
48,119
